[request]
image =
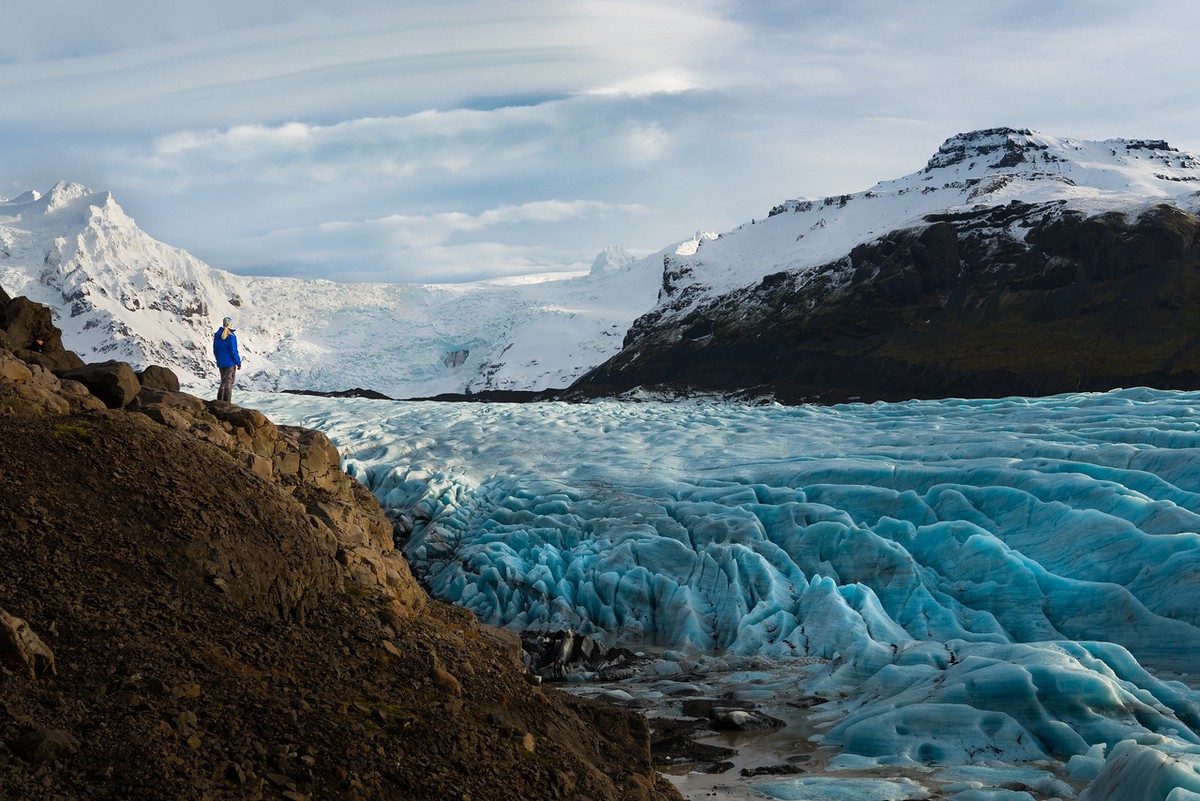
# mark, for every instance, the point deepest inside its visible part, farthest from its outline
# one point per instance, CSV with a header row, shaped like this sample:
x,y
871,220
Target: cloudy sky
x,y
390,140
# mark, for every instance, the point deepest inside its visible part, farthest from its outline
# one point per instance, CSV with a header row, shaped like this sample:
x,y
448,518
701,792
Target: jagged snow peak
x,y
119,293
612,259
983,168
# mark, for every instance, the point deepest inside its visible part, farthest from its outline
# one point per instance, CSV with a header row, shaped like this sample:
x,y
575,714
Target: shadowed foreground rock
x,y
198,604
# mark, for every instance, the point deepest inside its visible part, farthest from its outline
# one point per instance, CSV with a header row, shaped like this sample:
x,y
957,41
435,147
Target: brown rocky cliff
x,y
346,517
197,603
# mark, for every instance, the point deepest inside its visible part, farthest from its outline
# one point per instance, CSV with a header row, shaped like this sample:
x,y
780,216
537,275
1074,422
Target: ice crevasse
x,y
1013,579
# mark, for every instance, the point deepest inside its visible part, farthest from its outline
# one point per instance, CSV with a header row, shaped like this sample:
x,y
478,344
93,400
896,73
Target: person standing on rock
x,y
225,348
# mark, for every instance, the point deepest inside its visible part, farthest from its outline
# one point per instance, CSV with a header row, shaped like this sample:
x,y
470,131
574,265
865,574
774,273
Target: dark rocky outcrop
x,y
356,392
677,742
959,307
196,603
558,655
38,745
27,388
23,323
113,382
730,715
158,377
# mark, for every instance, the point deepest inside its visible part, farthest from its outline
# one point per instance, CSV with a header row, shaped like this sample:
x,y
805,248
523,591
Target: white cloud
x,y
441,247
608,131
359,149
309,64
647,143
407,138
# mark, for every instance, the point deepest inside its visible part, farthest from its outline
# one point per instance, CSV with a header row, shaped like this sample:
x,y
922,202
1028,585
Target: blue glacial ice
x,y
1005,580
824,789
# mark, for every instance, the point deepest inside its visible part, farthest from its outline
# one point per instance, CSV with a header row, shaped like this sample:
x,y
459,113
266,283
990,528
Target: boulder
x,y
150,397
56,361
40,745
43,377
26,321
22,650
13,369
29,389
158,377
168,416
77,395
27,399
112,382
22,323
743,720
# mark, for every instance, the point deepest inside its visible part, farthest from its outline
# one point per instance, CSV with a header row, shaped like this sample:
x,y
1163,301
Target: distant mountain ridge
x,y
1013,263
758,308
122,294
970,170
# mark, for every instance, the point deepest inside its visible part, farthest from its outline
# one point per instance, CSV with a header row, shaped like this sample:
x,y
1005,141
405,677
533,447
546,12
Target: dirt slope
x,y
207,646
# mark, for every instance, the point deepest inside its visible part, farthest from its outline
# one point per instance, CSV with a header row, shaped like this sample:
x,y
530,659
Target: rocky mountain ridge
x,y
199,604
1051,272
119,293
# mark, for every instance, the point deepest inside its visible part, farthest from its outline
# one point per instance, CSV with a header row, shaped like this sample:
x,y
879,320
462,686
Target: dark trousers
x,y
225,393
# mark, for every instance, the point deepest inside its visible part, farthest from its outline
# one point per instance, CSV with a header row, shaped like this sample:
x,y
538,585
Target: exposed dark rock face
x,y
356,392
959,307
557,655
999,147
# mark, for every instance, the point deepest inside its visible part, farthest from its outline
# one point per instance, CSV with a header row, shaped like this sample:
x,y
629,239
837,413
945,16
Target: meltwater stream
x,y
972,584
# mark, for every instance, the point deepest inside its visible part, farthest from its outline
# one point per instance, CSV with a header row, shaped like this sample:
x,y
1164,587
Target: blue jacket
x,y
226,350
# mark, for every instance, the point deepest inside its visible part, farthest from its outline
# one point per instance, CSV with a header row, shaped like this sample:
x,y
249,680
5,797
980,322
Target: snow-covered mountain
x,y
970,171
121,294
1013,263
671,315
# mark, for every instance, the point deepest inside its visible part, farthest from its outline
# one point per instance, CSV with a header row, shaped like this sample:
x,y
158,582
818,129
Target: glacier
x,y
962,583
116,292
